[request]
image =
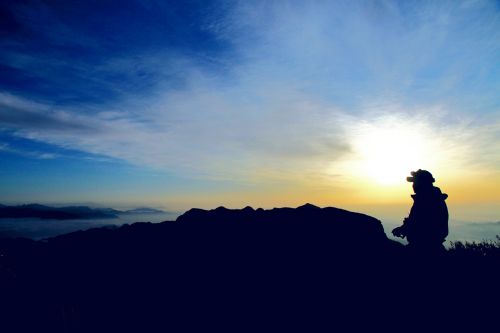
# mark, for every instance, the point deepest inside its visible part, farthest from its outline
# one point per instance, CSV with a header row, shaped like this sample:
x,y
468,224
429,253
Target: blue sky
x,y
183,103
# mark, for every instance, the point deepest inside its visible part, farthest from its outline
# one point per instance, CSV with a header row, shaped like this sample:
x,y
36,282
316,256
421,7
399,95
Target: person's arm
x,y
402,230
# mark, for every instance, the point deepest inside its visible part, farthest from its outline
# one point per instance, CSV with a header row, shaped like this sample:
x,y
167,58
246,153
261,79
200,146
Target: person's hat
x,y
421,176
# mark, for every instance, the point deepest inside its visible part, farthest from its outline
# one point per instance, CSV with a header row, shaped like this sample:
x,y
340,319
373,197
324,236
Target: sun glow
x,y
389,154
387,151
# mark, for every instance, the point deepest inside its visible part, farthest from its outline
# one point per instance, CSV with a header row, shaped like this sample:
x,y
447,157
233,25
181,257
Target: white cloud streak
x,y
4,147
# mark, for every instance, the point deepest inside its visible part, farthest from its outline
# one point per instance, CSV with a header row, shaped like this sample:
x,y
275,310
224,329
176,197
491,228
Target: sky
x,y
179,104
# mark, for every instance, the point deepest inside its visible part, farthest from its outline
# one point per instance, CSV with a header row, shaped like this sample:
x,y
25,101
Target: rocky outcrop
x,y
307,223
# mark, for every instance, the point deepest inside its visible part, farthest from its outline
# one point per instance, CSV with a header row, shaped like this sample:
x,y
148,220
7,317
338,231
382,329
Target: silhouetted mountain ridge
x,y
326,224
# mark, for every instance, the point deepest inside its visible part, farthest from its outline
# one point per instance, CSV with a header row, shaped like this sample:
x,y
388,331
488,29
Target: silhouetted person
x,y
426,227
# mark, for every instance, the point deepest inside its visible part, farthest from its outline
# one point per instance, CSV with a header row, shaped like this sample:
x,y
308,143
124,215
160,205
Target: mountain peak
x,y
308,206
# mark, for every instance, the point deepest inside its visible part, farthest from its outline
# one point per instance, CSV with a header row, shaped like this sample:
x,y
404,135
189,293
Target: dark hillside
x,y
237,270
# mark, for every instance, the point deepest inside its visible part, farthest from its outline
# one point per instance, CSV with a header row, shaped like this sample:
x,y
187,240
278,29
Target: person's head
x,y
421,179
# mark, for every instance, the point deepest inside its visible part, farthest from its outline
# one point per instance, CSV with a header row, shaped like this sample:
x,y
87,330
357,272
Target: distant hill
x,y
69,212
143,210
56,213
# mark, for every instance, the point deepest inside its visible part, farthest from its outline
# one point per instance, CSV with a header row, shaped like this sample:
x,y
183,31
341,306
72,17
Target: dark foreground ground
x,y
306,269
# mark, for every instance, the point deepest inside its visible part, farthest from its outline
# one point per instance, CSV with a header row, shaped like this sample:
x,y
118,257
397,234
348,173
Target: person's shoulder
x,y
437,192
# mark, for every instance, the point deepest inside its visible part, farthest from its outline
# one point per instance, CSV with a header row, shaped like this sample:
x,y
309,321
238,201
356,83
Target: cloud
x,y
192,132
4,147
19,113
284,103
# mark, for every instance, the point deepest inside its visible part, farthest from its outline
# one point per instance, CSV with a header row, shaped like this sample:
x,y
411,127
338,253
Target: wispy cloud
x,y
28,116
4,147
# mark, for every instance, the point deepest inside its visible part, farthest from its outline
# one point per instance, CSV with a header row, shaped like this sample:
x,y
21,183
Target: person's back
x,y
426,227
